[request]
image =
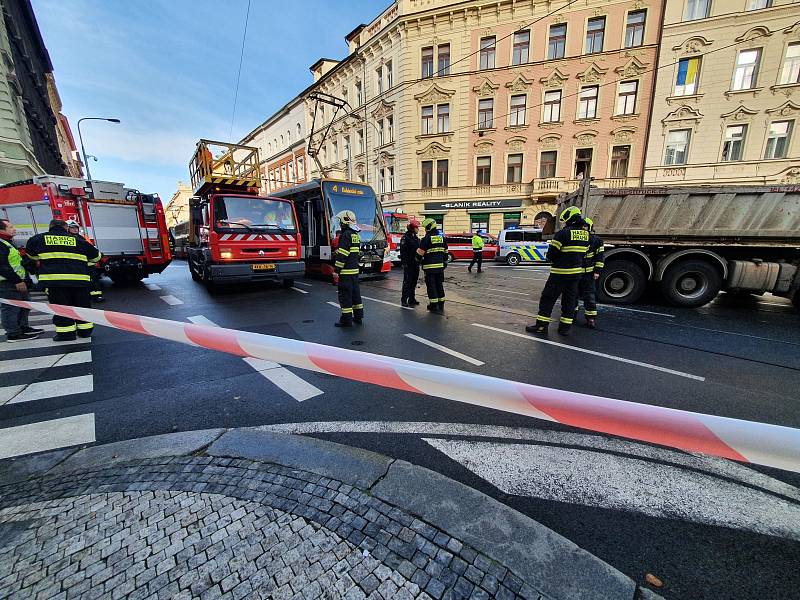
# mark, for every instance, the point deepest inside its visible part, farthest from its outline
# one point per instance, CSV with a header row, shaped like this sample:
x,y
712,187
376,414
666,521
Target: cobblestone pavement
x,y
200,527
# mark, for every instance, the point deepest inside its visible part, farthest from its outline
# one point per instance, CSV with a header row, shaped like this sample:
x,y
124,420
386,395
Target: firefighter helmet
x,y
570,213
73,223
347,217
589,222
429,224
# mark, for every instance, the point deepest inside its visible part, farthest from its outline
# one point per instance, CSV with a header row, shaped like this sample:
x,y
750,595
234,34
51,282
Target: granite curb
x,y
556,567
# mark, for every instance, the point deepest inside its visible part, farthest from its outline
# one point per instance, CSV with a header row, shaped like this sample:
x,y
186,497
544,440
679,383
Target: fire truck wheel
x,y
193,272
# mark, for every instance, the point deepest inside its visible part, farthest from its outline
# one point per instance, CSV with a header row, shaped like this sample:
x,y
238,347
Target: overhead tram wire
x,y
239,74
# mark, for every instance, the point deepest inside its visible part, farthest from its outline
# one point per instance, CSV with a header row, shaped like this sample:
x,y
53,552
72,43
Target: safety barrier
x,y
745,441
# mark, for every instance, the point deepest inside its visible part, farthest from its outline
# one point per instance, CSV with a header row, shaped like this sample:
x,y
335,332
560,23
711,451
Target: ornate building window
x,y
547,164
780,133
626,98
620,155
514,168
688,76
427,174
444,60
483,170
442,172
587,102
426,127
516,117
487,53
634,28
677,147
595,32
557,43
443,118
521,52
486,113
427,62
791,65
733,145
552,106
746,73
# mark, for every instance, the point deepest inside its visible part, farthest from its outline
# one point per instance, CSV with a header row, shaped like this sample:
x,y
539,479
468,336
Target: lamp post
x,y
80,137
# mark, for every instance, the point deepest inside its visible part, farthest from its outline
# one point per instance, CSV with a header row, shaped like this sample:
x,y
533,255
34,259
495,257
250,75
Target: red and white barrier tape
x,y
745,441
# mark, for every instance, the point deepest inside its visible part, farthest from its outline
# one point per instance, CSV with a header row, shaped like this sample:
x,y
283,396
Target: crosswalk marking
x,y
39,390
47,435
40,343
446,350
152,287
45,362
37,318
299,290
303,284
297,387
171,300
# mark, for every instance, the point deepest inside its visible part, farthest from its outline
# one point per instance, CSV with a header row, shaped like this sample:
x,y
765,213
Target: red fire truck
x,y
235,235
396,225
128,227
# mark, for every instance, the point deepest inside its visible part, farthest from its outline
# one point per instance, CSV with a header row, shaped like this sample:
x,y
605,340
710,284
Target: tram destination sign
x,y
472,205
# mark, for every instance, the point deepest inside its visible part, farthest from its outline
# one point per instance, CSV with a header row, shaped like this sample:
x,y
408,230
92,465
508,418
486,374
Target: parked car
x,y
459,246
521,245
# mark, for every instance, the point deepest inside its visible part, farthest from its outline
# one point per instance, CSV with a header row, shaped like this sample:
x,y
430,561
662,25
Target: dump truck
x,y
693,242
235,234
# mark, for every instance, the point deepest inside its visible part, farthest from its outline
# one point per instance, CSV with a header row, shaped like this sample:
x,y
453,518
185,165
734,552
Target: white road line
x,y
292,384
509,292
47,435
152,287
333,304
588,478
592,352
45,362
637,310
299,290
385,302
171,300
40,343
528,278
40,390
464,357
40,318
598,443
303,284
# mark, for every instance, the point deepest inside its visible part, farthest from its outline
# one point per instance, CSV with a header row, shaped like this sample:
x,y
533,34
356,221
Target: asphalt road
x,y
708,528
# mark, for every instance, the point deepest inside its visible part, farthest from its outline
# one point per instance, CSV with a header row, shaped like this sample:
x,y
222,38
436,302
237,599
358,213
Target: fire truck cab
x,y
236,235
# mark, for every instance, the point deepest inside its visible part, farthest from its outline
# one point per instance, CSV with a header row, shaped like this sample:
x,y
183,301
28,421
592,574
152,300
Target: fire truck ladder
x,y
338,104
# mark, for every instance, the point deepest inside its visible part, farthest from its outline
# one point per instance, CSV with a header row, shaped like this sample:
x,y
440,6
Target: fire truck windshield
x,y
362,201
396,222
232,212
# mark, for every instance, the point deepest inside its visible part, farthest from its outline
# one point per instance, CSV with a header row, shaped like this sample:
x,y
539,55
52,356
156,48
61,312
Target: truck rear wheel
x,y
513,259
621,282
691,283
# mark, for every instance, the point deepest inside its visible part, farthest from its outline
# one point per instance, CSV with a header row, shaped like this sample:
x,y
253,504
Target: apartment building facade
x,y
728,94
479,114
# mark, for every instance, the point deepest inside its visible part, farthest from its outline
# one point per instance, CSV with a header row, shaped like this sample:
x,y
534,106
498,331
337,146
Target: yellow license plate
x,y
263,267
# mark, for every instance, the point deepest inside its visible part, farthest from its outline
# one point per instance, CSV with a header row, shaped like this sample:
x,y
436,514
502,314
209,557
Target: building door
x,y
479,222
583,163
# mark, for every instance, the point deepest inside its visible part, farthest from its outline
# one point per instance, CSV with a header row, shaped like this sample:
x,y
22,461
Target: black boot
x,y
344,321
432,308
440,308
404,303
539,328
563,328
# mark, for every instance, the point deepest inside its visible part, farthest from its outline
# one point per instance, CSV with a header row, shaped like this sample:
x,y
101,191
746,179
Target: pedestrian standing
x,y
408,257
96,290
64,259
14,283
347,267
566,252
592,266
477,251
432,253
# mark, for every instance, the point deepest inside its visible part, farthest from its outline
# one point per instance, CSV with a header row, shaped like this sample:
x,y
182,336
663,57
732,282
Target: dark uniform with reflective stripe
x,y
348,257
433,264
566,252
592,263
65,260
408,256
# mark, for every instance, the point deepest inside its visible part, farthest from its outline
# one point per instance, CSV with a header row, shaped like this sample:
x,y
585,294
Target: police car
x,y
521,245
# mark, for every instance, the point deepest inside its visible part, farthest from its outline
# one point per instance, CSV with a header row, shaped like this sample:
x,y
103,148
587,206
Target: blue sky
x,y
167,69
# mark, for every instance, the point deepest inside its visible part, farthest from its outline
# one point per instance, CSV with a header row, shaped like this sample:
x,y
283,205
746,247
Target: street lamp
x,y
80,137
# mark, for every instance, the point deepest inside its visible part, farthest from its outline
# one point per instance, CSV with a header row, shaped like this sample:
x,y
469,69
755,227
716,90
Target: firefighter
x,y
96,291
14,285
592,266
477,251
408,256
347,267
432,253
64,259
566,252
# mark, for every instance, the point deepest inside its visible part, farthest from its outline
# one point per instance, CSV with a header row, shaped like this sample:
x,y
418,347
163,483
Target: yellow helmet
x,y
429,224
347,217
589,222
569,213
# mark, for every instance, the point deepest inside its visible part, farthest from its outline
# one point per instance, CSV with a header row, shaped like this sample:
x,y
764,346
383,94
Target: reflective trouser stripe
x,y
85,326
566,320
358,306
433,300
95,293
349,272
560,271
338,264
347,311
434,266
543,319
590,313
66,328
64,277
